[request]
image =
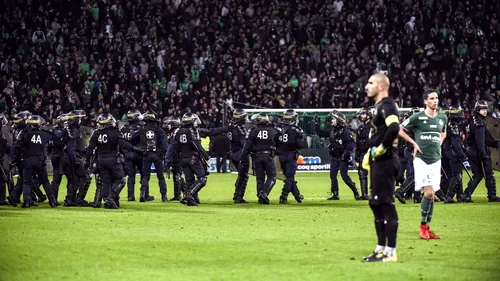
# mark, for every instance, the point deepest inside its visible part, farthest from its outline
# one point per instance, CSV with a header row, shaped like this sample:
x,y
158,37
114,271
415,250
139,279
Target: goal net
x,y
315,156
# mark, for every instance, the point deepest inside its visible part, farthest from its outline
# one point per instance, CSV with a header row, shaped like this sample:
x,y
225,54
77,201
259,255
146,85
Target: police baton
x,y
466,170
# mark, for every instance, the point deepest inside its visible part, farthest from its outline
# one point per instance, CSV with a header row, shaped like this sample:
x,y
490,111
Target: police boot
x,y
12,201
417,197
52,201
492,189
109,203
467,197
440,195
399,194
335,196
142,196
283,199
263,199
177,188
26,205
164,198
97,199
460,192
41,198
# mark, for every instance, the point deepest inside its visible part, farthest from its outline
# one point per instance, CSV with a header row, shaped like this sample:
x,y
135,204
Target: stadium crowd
x,y
177,56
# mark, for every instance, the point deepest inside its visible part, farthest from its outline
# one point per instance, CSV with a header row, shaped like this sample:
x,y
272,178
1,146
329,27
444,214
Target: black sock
x,y
381,231
391,224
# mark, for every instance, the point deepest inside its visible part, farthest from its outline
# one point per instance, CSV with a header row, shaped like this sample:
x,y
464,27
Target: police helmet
x,y
3,120
262,118
149,117
75,116
106,120
340,117
174,122
366,111
21,117
240,116
291,117
35,121
191,119
134,115
482,104
253,119
455,112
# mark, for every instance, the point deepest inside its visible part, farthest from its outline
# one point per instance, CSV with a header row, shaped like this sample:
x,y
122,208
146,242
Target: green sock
x,y
425,209
431,210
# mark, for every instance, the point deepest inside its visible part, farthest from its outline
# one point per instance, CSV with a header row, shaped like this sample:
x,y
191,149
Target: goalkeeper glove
x,y
366,162
376,152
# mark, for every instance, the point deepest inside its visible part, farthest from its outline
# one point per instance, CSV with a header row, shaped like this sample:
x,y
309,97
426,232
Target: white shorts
x,y
427,174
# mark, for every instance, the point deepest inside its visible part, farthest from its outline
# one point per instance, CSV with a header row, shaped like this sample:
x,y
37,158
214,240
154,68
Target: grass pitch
x,y
217,240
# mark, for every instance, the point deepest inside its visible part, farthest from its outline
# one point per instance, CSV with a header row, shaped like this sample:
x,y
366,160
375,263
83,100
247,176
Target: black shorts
x,y
383,175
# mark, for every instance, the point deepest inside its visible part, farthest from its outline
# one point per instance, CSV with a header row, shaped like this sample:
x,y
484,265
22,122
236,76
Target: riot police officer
x,y
32,148
408,186
19,129
154,141
453,153
56,154
73,160
5,174
186,144
107,141
133,160
362,134
289,143
341,145
261,142
171,126
236,132
478,142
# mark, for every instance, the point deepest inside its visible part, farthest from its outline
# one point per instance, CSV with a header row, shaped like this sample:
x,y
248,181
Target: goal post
x,y
315,157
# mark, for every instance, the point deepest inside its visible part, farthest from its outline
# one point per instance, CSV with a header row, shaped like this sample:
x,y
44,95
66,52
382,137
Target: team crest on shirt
x,y
441,122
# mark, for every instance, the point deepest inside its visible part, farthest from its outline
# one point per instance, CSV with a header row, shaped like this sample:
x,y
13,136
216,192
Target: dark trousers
x,y
481,168
148,159
56,174
242,166
264,165
288,164
35,166
221,163
76,174
111,175
337,165
133,161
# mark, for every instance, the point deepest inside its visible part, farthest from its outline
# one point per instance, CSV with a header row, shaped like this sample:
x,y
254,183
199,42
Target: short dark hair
x,y
428,92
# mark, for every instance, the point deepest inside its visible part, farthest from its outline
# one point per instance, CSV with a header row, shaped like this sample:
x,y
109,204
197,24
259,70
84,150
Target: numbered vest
x,y
287,140
263,138
34,143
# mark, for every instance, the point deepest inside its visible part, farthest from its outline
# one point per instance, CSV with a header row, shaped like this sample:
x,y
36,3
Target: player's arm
x,y
408,124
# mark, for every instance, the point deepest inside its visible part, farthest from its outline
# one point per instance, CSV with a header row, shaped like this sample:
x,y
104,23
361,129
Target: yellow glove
x,y
366,162
376,152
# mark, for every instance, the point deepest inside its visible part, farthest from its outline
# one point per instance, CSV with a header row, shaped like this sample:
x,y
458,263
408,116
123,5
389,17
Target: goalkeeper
x,y
383,163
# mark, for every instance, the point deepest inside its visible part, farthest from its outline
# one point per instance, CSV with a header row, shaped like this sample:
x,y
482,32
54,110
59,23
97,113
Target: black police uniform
x,y
220,147
56,156
175,166
133,160
31,147
407,188
73,166
362,135
289,143
154,141
237,133
5,178
186,145
341,145
261,142
454,156
107,142
478,142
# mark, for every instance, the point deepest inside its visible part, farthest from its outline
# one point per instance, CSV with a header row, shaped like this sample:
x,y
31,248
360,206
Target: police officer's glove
x,y
316,119
346,156
376,152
